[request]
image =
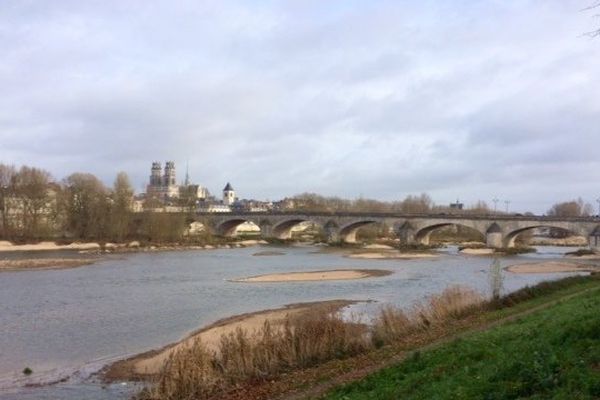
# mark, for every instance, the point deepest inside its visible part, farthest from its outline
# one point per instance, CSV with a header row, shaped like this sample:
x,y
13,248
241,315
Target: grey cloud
x,y
345,98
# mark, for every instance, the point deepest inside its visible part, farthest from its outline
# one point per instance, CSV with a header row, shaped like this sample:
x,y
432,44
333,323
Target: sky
x,y
469,100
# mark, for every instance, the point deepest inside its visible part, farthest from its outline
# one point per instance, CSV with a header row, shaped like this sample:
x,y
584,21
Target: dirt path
x,y
320,389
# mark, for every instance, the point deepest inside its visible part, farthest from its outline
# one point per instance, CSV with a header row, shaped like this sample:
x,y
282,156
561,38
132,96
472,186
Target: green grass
x,y
550,354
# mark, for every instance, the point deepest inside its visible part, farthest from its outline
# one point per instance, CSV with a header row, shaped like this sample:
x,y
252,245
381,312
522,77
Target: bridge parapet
x,y
497,230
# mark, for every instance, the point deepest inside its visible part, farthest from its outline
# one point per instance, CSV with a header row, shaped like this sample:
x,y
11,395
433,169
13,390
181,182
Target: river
x,y
67,324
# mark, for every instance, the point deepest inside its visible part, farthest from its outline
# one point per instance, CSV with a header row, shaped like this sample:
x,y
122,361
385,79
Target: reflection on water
x,y
69,323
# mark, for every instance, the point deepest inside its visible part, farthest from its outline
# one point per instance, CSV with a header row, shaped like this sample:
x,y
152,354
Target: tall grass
x,y
301,341
305,340
393,323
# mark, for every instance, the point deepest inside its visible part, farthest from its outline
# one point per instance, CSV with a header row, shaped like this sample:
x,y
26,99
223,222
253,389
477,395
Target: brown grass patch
x,y
302,341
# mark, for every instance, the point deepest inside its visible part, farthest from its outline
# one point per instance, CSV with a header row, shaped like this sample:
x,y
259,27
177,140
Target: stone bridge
x,y
497,230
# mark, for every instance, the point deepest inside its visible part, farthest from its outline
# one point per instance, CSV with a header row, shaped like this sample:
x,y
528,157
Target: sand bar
x,y
378,246
44,263
147,364
329,275
268,253
391,255
551,267
477,252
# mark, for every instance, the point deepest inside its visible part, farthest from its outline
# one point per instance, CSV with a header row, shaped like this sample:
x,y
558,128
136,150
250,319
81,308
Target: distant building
x,y
228,195
163,185
213,207
457,206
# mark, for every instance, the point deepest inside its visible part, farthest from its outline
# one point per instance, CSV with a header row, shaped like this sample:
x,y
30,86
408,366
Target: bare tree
x,y
496,279
87,206
573,208
31,188
596,32
122,198
7,178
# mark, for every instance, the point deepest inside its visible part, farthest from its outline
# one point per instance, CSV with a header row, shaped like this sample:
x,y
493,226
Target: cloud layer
x,y
381,99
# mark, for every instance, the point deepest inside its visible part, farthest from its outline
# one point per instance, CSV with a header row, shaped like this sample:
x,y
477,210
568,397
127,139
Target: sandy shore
x,y
550,267
390,255
569,241
330,275
44,263
47,246
147,364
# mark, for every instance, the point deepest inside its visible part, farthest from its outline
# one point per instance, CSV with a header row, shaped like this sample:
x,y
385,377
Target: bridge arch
x,y
422,235
283,230
229,227
348,232
511,236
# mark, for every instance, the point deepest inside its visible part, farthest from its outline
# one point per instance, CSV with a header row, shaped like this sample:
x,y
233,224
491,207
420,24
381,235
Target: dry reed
x,y
393,323
300,341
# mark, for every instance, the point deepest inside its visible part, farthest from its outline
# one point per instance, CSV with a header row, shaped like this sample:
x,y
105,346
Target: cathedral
x,y
163,184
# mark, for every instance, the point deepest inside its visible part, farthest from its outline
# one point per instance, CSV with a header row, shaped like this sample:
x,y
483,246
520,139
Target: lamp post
x,y
495,200
598,201
507,202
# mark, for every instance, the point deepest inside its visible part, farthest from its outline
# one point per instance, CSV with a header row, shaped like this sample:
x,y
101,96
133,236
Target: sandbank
x,y
377,246
329,275
145,365
44,263
269,253
550,267
391,255
477,252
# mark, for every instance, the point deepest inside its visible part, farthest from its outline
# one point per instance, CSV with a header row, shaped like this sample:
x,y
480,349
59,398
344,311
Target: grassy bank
x,y
552,353
314,353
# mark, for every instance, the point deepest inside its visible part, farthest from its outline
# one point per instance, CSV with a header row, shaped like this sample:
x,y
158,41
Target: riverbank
x,y
144,366
558,350
313,382
6,246
129,247
329,275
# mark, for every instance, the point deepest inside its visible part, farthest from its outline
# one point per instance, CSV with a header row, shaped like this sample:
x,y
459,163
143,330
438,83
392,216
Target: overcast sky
x,y
459,99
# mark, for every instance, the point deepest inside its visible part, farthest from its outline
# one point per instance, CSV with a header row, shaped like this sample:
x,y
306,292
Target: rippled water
x,y
67,324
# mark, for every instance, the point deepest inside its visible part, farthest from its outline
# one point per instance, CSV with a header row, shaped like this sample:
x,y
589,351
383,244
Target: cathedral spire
x,y
187,173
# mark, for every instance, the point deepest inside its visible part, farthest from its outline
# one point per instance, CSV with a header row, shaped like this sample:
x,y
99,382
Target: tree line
x,y
34,206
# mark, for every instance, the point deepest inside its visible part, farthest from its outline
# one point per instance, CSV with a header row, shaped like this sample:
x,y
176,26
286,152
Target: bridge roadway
x,y
499,230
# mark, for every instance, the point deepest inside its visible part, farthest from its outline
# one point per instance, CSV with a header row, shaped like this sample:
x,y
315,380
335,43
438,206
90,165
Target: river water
x,y
66,324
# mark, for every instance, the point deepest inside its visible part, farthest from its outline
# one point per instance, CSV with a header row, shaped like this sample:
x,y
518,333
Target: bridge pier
x,y
494,240
332,233
594,241
266,230
494,237
407,234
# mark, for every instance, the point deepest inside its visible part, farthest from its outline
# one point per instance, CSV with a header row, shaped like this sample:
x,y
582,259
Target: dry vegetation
x,y
303,341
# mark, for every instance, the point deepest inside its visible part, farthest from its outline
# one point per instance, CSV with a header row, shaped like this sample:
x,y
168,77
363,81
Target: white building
x,y
228,195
